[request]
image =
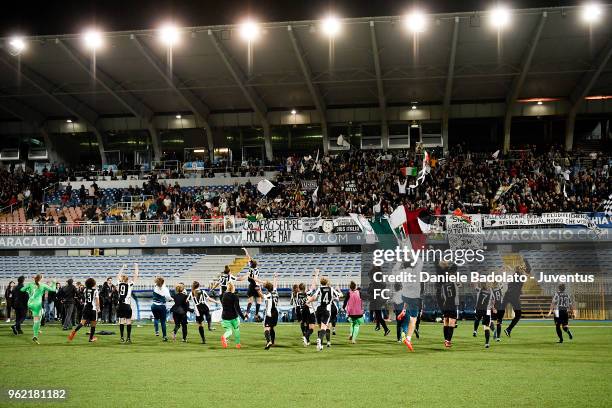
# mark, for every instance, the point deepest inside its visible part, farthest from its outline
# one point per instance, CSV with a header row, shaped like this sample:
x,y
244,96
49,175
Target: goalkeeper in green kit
x,y
36,291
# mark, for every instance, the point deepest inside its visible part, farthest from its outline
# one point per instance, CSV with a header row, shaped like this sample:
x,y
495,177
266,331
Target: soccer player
x,y
36,291
308,320
161,295
562,304
411,298
124,309
354,309
293,302
253,291
334,312
179,311
498,314
513,297
225,278
271,307
324,295
446,294
229,315
485,302
91,307
200,300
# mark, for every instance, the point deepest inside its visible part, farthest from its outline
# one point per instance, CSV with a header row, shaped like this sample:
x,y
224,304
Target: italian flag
x,y
409,171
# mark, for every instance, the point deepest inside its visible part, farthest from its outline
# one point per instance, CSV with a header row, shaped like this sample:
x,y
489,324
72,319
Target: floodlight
x,y
169,35
416,22
249,30
331,26
93,39
540,102
178,116
500,17
591,12
17,44
293,111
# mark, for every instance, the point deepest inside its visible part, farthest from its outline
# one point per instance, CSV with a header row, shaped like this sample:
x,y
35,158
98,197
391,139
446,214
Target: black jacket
x,y
69,292
20,299
181,306
231,306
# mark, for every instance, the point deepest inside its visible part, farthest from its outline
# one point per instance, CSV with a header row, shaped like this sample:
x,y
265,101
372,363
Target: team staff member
x,y
161,295
179,311
20,304
229,315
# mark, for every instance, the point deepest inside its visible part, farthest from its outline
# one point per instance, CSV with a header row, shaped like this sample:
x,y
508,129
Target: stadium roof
x,y
301,68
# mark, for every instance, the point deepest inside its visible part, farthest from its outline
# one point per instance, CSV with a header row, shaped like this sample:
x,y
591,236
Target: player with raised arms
x,y
36,291
561,305
124,310
199,298
270,298
91,307
253,291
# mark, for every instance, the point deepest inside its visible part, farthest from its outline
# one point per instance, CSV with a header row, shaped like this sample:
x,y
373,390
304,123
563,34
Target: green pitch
x,y
529,369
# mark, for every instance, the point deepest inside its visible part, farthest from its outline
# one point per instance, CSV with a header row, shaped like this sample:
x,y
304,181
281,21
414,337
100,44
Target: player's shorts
x,y
89,315
124,311
516,303
562,317
307,317
252,291
334,314
322,315
485,316
202,313
297,314
450,314
271,321
412,306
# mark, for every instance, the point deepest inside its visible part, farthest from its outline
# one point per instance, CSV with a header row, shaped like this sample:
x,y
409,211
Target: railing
x,y
116,228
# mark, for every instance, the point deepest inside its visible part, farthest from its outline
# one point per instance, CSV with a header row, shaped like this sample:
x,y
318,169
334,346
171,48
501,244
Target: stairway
x,y
207,269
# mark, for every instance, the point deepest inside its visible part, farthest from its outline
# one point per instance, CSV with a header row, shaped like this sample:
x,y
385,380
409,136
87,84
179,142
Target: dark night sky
x,y
28,17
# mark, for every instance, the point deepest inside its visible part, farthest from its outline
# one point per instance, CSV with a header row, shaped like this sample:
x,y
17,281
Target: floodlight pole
x,y
448,89
129,101
72,105
249,93
518,81
315,92
199,109
582,90
382,101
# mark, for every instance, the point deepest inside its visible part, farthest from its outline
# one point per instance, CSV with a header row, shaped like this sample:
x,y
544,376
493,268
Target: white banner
x,y
465,231
272,231
509,220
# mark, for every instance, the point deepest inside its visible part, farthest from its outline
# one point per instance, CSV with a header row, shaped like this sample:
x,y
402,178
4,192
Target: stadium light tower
x,y
499,17
169,35
249,30
591,13
331,26
93,39
416,22
17,45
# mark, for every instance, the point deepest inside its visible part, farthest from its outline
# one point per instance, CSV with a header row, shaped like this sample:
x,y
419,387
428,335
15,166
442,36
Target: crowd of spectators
x,y
358,181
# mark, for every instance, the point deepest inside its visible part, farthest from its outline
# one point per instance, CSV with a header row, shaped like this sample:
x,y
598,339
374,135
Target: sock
x,y
321,335
559,333
267,334
445,332
92,332
237,334
129,330
327,333
308,334
272,335
567,330
498,332
476,325
36,327
184,325
201,330
303,328
209,324
451,329
517,317
78,327
248,308
257,306
121,330
487,336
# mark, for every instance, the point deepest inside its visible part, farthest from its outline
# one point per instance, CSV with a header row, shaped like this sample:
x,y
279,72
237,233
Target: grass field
x,y
529,369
